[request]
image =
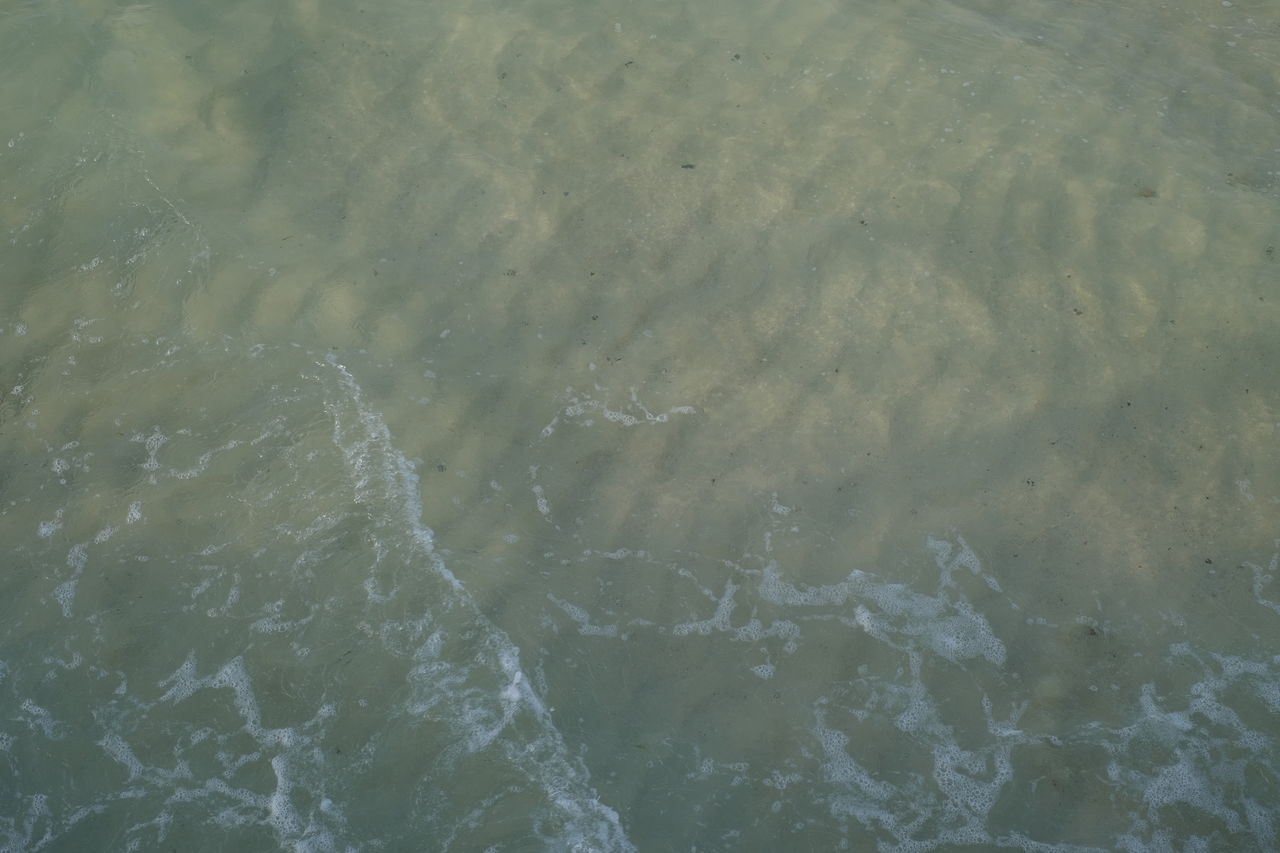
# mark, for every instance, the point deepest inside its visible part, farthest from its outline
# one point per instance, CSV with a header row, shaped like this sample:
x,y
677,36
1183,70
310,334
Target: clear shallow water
x,y
401,448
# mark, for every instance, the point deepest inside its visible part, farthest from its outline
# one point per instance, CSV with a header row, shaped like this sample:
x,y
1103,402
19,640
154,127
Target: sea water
x,y
729,426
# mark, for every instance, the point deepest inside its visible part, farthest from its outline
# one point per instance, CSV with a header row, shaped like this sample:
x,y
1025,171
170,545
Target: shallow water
x,y
456,426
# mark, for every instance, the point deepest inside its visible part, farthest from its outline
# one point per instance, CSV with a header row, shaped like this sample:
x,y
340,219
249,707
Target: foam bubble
x,y
583,619
45,529
65,595
114,746
718,622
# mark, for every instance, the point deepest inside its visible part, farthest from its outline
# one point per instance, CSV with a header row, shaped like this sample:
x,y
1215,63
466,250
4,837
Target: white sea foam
x,y
45,529
1184,749
583,619
384,480
895,614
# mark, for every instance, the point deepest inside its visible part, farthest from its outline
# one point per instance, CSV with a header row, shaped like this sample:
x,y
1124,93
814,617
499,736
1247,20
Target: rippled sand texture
x,y
639,426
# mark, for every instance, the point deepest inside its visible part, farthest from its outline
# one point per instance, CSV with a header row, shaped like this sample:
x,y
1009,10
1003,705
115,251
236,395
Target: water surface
x,y
460,426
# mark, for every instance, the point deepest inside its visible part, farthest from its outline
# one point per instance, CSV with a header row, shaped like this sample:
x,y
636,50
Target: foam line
x,y
384,477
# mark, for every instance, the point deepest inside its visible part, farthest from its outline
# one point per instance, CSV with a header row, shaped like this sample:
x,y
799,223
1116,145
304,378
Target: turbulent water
x,y
458,426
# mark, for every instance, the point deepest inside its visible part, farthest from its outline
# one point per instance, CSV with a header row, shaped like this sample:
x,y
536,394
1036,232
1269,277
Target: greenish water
x,y
465,426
